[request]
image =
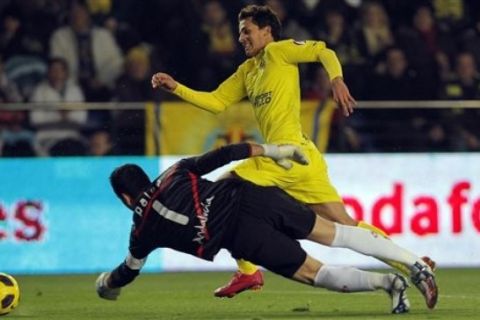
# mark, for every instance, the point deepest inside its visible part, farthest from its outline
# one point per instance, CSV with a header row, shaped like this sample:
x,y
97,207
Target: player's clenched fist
x,y
163,81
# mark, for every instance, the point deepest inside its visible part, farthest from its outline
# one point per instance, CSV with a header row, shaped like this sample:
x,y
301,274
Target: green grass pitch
x,y
189,296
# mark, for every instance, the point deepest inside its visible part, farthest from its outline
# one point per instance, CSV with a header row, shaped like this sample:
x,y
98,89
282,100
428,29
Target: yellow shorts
x,y
309,184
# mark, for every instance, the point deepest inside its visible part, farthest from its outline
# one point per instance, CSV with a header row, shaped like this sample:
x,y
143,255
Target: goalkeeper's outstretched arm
x,y
281,154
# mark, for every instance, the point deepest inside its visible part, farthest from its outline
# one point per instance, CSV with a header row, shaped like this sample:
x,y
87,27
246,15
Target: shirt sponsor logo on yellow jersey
x,y
262,99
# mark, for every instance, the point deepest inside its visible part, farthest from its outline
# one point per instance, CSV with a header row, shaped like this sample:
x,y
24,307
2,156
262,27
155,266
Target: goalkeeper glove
x,y
282,154
103,290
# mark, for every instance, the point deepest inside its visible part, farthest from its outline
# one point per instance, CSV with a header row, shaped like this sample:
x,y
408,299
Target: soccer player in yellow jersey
x,y
270,80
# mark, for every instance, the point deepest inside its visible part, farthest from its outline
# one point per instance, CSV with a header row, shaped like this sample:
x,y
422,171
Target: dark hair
x,y
262,16
129,179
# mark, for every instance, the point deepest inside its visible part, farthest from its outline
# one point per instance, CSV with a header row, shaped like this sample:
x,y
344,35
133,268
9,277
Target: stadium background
x,y
408,159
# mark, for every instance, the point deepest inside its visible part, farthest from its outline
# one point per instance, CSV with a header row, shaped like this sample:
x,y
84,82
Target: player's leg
x,y
323,198
368,243
281,254
248,276
335,211
244,267
265,231
349,279
317,190
250,272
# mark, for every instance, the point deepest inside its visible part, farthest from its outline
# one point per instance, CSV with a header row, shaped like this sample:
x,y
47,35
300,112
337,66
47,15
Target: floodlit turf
x,y
189,296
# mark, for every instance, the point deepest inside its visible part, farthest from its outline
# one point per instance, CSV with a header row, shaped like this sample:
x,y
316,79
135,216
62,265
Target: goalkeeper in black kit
x,y
182,211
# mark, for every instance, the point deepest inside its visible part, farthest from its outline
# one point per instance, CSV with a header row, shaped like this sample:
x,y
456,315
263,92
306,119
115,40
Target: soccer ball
x,y
9,293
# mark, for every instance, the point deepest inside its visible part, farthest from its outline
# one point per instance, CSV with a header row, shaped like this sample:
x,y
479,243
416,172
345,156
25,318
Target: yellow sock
x,y
395,264
246,267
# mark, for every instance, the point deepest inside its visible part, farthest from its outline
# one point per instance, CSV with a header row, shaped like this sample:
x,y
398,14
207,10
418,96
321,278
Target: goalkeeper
x,y
270,80
182,211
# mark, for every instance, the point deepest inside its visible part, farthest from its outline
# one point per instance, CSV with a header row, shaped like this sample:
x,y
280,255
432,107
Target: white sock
x,y
348,279
371,244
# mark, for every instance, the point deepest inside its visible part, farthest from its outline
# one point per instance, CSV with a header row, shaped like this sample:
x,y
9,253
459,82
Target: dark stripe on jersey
x,y
198,211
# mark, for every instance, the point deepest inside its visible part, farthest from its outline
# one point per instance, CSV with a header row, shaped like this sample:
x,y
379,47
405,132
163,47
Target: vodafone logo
x,y
422,213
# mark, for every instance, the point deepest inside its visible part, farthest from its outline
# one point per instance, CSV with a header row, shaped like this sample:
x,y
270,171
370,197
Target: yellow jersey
x,y
271,82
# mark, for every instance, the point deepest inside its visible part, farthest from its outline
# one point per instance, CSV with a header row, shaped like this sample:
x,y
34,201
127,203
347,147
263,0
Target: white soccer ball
x,y
9,293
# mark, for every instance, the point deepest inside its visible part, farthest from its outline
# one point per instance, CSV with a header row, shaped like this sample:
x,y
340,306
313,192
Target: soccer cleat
x,y
397,292
239,283
423,278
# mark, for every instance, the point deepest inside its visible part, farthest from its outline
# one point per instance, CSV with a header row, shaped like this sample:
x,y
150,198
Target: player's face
x,y
253,38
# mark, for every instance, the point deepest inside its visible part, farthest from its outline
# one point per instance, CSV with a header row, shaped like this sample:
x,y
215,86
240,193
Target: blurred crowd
x,y
54,51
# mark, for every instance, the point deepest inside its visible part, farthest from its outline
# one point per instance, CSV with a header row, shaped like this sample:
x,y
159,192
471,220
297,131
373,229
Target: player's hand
x,y
342,96
285,153
103,290
163,81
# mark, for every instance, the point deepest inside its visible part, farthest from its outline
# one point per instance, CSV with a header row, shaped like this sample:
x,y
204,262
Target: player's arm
x,y
212,160
228,92
294,52
109,284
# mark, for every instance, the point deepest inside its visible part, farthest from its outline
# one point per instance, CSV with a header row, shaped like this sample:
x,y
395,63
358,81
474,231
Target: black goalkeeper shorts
x,y
268,223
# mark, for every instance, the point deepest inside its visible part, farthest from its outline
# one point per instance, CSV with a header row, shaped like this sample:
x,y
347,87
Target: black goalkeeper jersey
x,y
184,212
